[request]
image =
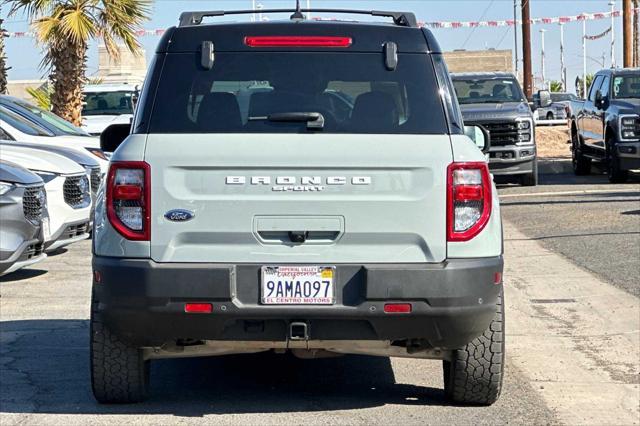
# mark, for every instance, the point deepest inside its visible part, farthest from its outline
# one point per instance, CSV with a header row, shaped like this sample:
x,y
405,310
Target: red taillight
x,y
198,308
127,192
128,199
297,41
467,193
397,308
468,200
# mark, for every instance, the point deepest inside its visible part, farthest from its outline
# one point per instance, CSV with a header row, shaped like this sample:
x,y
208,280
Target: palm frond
x,y
45,28
77,25
42,96
32,9
119,20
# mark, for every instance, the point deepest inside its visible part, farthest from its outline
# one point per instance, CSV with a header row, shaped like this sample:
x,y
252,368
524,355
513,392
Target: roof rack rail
x,y
404,19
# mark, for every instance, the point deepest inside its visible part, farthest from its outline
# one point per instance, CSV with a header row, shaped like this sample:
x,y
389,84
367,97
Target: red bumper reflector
x,y
297,41
397,308
497,278
198,308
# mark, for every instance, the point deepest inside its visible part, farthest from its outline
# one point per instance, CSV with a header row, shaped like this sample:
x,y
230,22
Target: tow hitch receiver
x,y
298,331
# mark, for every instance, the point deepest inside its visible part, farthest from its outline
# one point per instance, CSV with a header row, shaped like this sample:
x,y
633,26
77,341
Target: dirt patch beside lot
x,y
552,142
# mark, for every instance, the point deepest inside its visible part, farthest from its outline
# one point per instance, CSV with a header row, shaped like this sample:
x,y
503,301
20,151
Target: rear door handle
x,y
298,229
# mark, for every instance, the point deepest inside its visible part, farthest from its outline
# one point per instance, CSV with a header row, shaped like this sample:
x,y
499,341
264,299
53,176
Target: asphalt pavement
x,y
572,339
585,218
44,373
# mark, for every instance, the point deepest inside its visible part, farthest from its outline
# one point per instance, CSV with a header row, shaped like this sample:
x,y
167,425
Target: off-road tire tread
x,y
474,374
119,374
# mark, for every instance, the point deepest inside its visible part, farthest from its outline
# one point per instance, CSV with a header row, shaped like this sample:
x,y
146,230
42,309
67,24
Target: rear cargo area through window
x,y
354,93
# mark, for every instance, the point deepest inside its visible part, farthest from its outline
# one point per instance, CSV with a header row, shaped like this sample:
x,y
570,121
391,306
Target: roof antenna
x,y
298,15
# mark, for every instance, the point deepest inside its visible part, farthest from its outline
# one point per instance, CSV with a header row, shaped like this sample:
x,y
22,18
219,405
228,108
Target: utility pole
x,y
542,54
613,34
515,32
627,34
584,57
253,7
636,38
526,49
308,8
563,70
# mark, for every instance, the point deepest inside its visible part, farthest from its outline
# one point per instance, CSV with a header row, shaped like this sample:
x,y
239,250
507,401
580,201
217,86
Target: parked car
x,y
496,101
558,108
606,126
16,126
22,204
68,193
56,125
87,161
284,228
106,104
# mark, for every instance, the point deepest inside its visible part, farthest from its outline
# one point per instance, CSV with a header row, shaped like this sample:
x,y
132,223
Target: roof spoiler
x,y
403,19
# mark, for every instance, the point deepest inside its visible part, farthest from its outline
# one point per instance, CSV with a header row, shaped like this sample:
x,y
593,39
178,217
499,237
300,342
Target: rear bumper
x,y
143,302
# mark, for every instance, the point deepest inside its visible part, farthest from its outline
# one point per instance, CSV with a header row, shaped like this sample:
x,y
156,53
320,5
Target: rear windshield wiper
x,y
314,120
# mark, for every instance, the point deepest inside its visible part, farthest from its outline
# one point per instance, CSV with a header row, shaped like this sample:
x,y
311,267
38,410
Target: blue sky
x,y
24,56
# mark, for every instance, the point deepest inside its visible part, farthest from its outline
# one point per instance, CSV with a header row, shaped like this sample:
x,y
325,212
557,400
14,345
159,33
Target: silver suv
x,y
297,186
23,203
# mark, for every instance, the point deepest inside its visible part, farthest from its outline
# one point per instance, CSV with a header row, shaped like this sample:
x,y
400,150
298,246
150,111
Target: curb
x,y
547,166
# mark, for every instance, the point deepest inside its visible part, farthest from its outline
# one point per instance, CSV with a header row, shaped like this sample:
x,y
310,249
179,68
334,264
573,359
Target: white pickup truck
x,y
107,104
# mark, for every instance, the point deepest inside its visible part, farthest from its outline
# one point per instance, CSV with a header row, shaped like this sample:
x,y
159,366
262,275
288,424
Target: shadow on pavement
x,y
22,274
58,252
596,177
45,369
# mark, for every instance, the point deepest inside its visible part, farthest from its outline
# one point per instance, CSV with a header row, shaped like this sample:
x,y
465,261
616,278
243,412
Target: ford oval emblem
x,y
179,215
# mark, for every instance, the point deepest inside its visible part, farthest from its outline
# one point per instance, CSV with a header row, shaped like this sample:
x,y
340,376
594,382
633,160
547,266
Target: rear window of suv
x,y
354,92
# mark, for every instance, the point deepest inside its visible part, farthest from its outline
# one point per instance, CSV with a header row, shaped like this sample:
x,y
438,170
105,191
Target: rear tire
x,y
531,179
119,373
581,164
474,374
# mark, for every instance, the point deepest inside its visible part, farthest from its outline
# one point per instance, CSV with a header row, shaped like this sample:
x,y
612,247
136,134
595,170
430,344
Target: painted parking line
x,y
583,192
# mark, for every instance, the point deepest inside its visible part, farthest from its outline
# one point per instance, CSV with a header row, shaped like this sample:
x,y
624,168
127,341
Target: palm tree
x,y
555,86
3,62
66,27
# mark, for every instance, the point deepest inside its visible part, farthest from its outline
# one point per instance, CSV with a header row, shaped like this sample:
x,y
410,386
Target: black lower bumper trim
x,y
143,301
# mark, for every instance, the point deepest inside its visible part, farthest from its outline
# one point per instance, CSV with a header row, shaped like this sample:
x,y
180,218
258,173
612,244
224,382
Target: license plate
x,y
45,228
298,285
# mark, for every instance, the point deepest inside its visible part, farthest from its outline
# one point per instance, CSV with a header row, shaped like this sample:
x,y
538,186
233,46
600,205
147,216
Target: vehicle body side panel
x,y
488,243
106,240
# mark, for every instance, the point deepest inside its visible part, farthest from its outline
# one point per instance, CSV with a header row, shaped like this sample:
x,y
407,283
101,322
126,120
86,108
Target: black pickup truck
x,y
606,126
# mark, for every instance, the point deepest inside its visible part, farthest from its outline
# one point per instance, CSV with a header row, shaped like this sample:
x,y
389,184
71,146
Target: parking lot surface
x,y
572,341
587,219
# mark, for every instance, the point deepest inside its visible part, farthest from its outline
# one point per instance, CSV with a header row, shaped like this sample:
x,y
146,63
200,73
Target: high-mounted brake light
x,y
297,41
129,200
468,200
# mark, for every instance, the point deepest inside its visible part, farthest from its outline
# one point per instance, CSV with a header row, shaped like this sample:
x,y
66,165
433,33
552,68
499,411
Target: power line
x,y
508,30
474,28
